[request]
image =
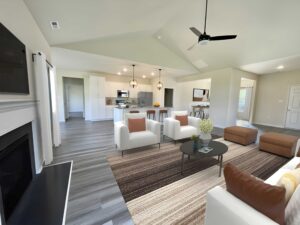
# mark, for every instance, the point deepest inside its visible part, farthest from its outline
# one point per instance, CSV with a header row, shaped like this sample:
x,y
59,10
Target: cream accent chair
x,y
224,208
172,128
125,140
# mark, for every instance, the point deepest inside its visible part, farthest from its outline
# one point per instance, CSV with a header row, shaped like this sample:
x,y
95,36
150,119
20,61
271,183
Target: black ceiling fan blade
x,y
224,37
195,31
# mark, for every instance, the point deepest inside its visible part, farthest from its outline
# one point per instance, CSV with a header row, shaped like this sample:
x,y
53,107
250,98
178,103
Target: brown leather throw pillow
x,y
265,198
298,166
183,120
136,125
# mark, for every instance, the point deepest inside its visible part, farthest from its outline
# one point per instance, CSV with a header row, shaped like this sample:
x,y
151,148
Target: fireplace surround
x,y
17,168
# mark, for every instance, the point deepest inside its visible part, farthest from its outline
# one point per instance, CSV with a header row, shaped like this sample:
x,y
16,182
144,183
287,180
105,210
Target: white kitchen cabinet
x,y
97,97
109,112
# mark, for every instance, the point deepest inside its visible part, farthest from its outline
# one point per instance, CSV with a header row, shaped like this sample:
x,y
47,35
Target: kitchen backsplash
x,y
113,100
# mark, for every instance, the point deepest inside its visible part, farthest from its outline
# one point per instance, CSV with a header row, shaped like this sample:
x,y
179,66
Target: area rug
x,y
146,170
183,201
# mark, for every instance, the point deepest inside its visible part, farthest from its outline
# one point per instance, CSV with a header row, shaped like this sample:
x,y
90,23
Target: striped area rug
x,y
156,193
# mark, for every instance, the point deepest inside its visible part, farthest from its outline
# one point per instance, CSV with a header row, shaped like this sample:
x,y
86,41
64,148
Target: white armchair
x,y
125,140
172,128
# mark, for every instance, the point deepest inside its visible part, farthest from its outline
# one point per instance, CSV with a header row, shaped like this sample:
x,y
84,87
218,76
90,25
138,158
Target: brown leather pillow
x,y
298,166
136,125
183,120
265,198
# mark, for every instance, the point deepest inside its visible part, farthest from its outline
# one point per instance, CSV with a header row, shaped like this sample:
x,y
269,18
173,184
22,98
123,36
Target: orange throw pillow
x,y
265,198
183,120
136,125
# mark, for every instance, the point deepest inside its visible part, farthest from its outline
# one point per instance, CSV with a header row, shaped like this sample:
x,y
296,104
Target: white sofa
x,y
224,208
172,128
125,140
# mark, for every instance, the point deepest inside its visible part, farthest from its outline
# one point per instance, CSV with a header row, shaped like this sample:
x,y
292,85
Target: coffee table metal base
x,y
220,160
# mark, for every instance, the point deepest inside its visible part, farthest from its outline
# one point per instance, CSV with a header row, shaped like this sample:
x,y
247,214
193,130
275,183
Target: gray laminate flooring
x,y
95,197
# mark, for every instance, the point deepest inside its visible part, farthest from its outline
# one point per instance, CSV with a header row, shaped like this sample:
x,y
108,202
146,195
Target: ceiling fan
x,y
205,38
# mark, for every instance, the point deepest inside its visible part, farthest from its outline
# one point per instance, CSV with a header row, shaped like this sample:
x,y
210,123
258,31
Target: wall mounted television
x,y
13,64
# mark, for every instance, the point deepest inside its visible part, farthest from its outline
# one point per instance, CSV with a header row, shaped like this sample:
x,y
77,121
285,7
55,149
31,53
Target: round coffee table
x,y
218,150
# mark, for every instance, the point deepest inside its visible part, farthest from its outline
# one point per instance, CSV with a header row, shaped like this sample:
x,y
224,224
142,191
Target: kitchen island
x,y
119,112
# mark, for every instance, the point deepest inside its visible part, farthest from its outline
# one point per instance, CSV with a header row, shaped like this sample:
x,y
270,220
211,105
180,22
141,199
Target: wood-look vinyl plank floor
x,y
95,197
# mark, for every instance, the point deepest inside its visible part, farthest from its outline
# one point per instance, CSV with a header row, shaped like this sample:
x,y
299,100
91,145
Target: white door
x,y
293,114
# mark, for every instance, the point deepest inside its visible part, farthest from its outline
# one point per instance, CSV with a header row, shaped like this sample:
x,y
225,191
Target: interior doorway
x,y
73,97
168,100
246,101
293,111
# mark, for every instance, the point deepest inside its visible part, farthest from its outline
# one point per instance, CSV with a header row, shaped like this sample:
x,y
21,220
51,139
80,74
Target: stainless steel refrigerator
x,y
145,99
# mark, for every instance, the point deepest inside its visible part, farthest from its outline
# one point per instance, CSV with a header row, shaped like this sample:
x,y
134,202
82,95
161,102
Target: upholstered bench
x,y
240,135
279,144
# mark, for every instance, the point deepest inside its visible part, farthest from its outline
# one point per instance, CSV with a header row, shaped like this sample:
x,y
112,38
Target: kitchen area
x,y
123,104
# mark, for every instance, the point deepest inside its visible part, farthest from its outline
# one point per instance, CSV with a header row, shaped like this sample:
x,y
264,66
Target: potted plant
x,y
195,140
206,127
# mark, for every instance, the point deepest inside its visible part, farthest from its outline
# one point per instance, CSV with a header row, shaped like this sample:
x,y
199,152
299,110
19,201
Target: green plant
x,y
206,126
195,138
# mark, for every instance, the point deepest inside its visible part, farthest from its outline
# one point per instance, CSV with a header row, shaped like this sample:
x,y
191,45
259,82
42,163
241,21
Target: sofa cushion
x,y
142,138
292,215
268,199
136,125
182,119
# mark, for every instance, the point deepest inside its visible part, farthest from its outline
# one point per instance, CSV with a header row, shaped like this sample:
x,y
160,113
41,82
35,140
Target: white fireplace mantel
x,y
16,113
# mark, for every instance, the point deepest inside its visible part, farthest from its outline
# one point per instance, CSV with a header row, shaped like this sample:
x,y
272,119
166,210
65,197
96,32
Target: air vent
x,y
55,25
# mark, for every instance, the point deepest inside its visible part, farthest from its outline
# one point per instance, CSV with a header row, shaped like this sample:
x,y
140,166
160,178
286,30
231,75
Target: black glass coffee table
x,y
219,149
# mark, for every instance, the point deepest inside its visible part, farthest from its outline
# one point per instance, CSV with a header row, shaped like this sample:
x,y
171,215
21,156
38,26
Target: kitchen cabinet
x,y
97,97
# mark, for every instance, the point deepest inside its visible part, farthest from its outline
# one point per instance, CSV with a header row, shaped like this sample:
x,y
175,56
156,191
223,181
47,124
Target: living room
x,y
138,112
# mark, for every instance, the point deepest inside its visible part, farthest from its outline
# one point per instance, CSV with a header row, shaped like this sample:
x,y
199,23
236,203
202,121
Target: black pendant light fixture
x,y
159,84
133,83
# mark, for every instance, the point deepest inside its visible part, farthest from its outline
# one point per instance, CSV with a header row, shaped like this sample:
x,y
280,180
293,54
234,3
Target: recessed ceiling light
x,y
159,37
152,73
125,69
119,73
144,76
280,67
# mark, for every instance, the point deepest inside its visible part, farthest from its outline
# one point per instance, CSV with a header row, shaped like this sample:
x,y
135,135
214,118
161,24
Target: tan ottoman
x,y
279,144
240,135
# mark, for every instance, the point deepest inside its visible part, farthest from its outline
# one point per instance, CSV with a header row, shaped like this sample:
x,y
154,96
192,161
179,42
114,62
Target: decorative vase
x,y
205,139
195,144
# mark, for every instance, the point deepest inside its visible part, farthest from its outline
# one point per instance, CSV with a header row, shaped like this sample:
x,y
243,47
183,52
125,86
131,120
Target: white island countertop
x,y
120,112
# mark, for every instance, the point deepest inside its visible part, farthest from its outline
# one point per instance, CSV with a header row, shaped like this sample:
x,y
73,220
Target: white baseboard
x,y
268,124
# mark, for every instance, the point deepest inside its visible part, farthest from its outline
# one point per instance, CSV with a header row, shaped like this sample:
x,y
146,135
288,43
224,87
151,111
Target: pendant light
x,y
159,84
133,83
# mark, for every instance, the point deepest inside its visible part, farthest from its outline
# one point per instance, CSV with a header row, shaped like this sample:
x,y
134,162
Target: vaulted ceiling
x,y
157,32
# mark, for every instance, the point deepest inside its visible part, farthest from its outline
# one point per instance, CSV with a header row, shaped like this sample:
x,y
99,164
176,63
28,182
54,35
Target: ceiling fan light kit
x,y
204,38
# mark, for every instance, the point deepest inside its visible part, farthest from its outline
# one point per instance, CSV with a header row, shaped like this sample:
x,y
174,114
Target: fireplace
x,y
17,168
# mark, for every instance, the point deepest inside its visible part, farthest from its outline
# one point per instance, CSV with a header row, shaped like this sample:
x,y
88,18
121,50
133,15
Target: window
x,y
242,100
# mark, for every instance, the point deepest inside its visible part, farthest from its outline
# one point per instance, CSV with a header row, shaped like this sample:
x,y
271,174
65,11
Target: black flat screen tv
x,y
13,64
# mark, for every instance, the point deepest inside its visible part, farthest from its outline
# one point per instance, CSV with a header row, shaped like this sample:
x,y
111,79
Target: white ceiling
x,y
128,29
81,61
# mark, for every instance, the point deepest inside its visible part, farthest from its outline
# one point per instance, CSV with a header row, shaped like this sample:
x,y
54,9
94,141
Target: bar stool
x,y
134,111
150,113
163,113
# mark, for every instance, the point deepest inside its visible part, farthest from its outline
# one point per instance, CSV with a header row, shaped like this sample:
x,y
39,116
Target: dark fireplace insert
x,y
17,168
